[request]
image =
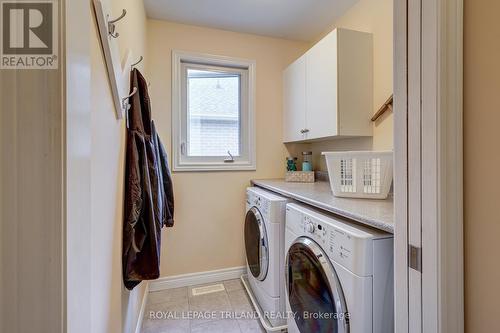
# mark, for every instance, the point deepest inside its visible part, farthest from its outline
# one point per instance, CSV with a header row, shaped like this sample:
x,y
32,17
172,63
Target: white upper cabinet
x,y
294,92
321,88
328,92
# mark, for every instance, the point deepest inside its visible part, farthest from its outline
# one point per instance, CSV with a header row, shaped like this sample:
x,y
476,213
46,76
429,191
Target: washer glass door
x,y
314,291
256,244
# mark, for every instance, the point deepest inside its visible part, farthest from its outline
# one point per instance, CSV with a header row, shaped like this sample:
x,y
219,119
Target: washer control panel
x,y
344,242
333,240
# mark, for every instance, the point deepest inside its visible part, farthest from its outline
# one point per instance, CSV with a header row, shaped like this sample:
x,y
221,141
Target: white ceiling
x,y
291,19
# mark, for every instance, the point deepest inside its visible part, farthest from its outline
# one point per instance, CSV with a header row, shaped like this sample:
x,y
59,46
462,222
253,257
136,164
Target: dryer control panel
x,y
271,206
254,200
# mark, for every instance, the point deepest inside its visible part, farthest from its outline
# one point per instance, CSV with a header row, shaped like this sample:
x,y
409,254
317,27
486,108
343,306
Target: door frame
x,y
440,192
77,152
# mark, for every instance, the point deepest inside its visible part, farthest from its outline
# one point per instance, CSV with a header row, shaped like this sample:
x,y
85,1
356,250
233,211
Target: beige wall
x,y
481,165
113,308
210,207
373,16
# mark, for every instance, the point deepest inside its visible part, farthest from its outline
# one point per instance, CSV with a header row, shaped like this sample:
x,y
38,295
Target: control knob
x,y
310,227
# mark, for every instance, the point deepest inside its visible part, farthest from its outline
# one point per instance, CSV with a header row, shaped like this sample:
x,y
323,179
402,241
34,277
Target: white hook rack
x,y
109,43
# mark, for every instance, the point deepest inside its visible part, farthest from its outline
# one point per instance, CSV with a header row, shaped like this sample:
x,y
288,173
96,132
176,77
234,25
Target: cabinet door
x,y
294,101
321,83
355,82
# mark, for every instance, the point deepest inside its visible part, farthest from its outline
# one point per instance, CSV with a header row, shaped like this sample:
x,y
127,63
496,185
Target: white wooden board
x,y
117,81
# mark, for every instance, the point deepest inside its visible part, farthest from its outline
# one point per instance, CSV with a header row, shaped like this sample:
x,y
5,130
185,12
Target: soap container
x,y
307,161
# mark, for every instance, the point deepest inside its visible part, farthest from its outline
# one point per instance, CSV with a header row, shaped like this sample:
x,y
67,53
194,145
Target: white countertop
x,y
375,213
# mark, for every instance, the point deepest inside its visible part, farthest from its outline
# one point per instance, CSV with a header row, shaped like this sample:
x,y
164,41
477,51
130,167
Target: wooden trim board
x,y
191,279
138,327
112,58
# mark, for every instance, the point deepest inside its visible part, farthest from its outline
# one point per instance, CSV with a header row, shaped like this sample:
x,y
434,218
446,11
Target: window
x,y
213,116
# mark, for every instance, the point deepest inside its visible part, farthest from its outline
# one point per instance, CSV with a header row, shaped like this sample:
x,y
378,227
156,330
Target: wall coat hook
x,y
125,103
112,26
136,63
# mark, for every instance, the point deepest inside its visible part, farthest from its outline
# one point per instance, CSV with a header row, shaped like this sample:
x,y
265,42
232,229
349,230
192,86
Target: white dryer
x,y
264,245
339,275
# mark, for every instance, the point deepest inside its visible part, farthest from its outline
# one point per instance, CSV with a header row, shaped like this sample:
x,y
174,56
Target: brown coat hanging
x,y
149,201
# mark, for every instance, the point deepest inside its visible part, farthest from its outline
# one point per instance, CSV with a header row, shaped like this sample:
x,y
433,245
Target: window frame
x,y
242,74
181,61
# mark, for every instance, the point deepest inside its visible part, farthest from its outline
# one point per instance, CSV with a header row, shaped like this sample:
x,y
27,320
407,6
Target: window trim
x,y
247,131
242,73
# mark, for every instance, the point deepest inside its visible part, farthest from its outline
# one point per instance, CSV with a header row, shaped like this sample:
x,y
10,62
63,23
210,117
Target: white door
x,y
321,78
428,164
408,170
414,168
294,101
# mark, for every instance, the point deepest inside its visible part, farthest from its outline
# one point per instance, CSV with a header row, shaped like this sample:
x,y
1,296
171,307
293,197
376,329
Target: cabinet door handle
x,y
305,130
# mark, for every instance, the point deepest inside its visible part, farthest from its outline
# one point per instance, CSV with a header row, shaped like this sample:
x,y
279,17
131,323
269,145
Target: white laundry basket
x,y
360,174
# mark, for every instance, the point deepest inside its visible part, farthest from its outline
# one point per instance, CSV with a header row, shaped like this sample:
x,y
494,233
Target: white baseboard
x,y
184,280
138,327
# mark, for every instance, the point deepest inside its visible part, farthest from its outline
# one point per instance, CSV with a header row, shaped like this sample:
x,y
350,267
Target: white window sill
x,y
215,167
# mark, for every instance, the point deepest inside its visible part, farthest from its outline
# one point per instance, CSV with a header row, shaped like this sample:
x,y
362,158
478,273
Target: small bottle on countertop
x,y
290,164
307,161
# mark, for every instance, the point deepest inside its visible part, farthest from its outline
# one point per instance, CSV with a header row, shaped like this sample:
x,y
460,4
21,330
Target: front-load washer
x,y
339,275
264,245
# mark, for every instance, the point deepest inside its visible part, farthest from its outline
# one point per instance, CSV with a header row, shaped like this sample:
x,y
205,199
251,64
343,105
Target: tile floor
x,y
178,311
